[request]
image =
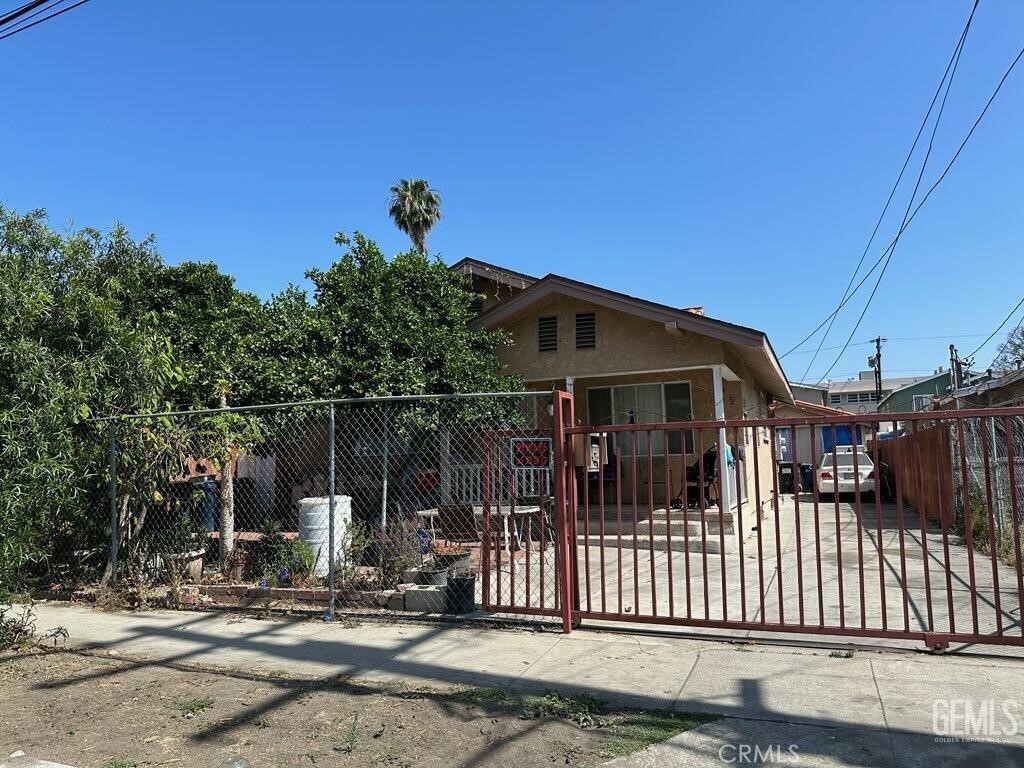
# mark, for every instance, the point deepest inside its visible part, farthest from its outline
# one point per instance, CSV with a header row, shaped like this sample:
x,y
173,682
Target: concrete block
x,y
425,599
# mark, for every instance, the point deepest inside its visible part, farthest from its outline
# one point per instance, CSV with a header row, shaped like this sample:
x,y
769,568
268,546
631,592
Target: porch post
x,y
725,500
445,450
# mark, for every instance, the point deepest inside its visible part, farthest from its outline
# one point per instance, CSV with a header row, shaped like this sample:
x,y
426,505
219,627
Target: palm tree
x,y
415,208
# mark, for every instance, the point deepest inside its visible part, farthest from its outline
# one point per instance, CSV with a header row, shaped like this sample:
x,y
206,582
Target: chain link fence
x,y
395,503
987,464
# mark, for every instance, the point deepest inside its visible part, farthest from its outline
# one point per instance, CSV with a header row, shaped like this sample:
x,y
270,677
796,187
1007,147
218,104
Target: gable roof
x,y
816,410
752,345
470,267
915,383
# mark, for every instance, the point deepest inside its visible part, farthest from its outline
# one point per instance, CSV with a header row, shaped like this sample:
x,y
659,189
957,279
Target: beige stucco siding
x,y
634,350
624,343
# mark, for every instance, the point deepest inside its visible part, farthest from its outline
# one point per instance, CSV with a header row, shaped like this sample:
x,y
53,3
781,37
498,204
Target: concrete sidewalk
x,y
874,709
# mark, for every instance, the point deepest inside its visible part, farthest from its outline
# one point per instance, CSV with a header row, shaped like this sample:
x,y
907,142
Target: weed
x,y
841,654
580,709
121,762
351,738
17,626
495,697
191,707
394,687
639,730
262,722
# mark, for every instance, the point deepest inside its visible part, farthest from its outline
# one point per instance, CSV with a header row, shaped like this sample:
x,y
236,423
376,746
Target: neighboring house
x,y
995,390
809,445
628,360
859,396
815,394
916,396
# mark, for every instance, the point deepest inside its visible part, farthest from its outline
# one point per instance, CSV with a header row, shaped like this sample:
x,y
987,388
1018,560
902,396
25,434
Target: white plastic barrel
x,y
314,527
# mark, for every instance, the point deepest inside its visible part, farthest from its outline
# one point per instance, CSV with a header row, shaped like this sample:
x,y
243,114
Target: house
x,y
918,395
810,442
629,360
859,395
991,390
809,393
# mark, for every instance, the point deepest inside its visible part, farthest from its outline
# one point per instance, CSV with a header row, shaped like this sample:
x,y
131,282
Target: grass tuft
x,y
639,730
192,707
580,709
494,697
841,654
121,762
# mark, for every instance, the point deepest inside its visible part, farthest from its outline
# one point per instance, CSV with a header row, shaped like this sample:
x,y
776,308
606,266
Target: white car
x,y
841,463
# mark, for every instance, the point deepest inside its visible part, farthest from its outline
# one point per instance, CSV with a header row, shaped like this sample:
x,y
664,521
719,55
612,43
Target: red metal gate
x,y
525,546
662,523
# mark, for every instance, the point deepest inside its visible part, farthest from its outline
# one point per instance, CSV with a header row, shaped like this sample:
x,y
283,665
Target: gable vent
x,y
547,334
586,330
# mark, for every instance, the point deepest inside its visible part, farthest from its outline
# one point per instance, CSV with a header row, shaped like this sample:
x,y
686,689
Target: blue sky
x,y
733,155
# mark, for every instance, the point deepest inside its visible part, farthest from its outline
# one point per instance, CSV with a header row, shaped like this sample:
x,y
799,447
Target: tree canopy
x,y
96,324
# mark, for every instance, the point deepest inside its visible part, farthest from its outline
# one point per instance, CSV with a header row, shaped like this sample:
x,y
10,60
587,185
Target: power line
x,y
913,195
910,153
999,328
916,210
943,337
19,12
45,18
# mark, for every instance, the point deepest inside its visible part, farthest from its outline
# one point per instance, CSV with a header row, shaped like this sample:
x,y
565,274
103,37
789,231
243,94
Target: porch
x,y
668,467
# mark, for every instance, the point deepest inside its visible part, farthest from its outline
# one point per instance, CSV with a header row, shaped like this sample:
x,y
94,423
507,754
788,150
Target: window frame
x,y
622,445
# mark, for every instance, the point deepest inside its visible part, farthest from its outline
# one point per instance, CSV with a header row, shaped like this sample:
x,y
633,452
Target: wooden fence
x,y
922,464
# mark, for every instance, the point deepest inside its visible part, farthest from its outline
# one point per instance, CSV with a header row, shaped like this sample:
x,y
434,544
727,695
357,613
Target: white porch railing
x,y
467,484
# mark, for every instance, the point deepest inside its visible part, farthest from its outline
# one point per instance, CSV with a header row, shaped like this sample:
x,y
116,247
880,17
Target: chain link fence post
x,y
384,472
331,533
115,527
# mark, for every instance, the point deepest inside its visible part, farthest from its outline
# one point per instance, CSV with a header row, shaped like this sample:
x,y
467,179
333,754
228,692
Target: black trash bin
x,y
806,478
785,476
460,597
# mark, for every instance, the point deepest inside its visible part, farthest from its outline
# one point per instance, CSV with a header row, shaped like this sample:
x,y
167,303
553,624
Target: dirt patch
x,y
96,710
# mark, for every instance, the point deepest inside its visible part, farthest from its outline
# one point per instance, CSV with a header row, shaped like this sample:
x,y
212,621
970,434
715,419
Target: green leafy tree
x,y
395,327
212,327
68,352
415,208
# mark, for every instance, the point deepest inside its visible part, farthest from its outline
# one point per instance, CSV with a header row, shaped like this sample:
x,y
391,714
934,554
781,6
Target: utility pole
x,y
956,375
875,362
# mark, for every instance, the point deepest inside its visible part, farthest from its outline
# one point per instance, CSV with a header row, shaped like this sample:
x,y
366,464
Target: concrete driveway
x,y
822,567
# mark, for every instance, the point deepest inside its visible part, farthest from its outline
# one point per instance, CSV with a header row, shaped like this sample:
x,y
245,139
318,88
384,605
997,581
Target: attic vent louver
x,y
547,334
586,330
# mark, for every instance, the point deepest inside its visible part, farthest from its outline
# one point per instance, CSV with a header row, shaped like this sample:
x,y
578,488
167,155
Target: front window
x,y
643,404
